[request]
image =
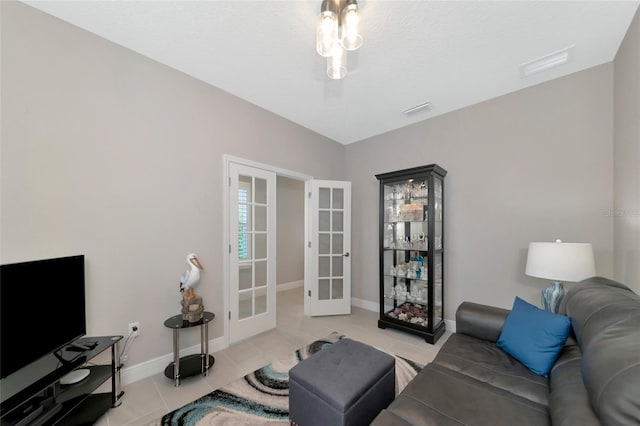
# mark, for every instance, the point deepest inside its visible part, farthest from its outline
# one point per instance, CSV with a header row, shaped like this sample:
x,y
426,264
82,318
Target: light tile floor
x,y
150,398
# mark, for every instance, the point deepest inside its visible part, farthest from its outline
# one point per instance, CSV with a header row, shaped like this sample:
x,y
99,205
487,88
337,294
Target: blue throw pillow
x,y
533,336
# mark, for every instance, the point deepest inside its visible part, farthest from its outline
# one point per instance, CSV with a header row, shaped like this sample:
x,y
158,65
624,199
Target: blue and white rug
x,y
262,397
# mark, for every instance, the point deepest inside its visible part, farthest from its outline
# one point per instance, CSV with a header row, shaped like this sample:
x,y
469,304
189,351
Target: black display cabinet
x,y
412,251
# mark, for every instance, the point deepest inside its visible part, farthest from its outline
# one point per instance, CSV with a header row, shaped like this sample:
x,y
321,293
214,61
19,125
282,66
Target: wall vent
x,y
418,108
544,63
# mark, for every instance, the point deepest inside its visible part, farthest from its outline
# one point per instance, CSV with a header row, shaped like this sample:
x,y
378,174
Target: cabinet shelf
x,y
419,308
413,249
409,200
410,312
400,300
395,222
419,280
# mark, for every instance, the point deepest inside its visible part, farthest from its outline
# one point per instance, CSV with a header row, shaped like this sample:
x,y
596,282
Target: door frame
x,y
227,160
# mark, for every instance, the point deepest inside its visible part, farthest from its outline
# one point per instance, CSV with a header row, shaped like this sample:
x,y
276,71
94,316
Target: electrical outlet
x,y
132,326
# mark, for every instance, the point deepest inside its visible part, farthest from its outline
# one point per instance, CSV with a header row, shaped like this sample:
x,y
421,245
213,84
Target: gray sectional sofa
x,y
594,381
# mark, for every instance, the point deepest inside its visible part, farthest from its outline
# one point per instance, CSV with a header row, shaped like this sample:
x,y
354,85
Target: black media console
x,y
46,402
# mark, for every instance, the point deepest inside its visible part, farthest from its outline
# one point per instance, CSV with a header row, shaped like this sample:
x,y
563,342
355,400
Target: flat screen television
x,y
42,309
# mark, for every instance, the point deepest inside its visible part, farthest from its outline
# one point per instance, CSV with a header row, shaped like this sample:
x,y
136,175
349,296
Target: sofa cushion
x,y
439,396
605,317
533,336
568,401
485,362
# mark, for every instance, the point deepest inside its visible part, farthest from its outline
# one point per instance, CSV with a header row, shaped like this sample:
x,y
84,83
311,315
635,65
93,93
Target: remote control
x,y
77,347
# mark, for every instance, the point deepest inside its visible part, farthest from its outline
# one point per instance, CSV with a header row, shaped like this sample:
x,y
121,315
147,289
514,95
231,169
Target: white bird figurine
x,y
191,276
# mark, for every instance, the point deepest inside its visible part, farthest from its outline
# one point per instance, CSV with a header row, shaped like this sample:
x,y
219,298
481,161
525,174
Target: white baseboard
x,y
451,325
157,365
290,285
365,304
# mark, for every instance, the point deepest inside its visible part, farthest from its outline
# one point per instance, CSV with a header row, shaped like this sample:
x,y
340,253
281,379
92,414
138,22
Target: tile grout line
x,y
164,402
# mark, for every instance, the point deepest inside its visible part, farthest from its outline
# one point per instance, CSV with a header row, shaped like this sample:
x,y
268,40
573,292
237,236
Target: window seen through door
x,y
243,221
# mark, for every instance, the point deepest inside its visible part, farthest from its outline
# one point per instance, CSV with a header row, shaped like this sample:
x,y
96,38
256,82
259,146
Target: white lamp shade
x,y
561,261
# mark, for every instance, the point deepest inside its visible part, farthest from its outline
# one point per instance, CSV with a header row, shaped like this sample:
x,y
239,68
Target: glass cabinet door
x,y
438,250
405,231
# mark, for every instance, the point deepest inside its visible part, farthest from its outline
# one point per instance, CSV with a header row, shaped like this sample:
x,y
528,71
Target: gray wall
x,y
626,148
110,154
290,230
115,156
534,165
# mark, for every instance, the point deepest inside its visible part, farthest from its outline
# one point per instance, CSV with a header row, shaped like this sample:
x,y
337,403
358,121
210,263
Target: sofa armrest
x,y
480,321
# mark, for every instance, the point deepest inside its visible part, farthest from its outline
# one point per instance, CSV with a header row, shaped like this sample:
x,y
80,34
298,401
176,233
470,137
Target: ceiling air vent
x,y
418,108
552,60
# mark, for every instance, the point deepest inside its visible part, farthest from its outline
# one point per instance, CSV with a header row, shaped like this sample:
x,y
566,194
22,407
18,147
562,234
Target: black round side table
x,y
189,365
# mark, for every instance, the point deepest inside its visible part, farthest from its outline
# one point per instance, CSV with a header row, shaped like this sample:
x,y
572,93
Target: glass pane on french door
x,y
252,246
330,236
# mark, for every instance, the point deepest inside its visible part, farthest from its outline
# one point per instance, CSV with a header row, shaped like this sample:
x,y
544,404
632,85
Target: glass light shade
x,y
327,33
351,31
337,62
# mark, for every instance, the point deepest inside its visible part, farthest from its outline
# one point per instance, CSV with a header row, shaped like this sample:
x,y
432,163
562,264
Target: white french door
x,y
252,259
328,280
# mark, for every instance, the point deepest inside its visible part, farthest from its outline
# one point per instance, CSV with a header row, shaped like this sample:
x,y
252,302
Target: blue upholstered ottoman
x,y
347,383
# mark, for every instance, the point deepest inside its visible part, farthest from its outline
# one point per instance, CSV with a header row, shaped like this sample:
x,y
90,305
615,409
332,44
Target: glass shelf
x,y
419,280
410,312
400,300
421,250
408,222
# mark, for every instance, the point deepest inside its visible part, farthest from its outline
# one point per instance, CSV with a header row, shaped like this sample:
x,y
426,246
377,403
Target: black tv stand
x,y
78,347
47,402
41,413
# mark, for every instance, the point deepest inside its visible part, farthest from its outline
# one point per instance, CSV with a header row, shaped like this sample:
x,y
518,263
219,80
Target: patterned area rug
x,y
262,397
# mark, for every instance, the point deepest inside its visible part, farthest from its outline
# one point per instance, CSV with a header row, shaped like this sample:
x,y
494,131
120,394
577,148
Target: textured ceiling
x,y
451,53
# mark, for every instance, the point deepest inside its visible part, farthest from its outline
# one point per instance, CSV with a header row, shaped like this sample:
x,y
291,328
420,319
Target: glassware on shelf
x,y
411,273
402,290
415,292
411,189
415,270
422,190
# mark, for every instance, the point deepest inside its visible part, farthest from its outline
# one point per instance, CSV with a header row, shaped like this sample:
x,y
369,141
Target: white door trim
x,y
227,160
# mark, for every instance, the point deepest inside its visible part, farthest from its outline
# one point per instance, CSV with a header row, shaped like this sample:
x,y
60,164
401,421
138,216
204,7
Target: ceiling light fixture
x,y
338,31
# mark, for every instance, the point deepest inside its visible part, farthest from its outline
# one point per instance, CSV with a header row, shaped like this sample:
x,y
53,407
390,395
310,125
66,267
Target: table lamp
x,y
559,262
